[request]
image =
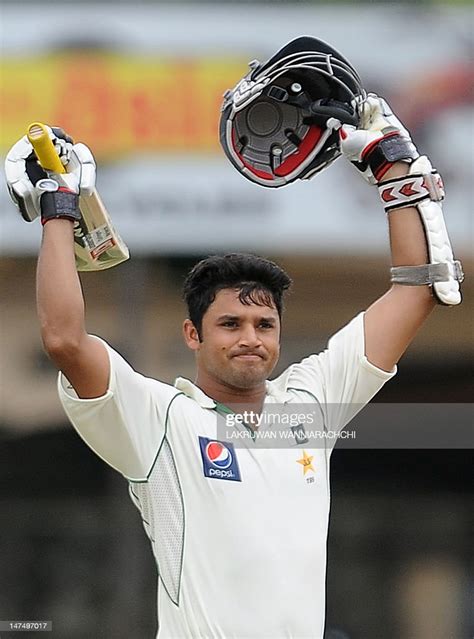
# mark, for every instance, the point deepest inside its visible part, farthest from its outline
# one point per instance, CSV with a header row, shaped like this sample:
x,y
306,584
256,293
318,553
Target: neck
x,y
238,399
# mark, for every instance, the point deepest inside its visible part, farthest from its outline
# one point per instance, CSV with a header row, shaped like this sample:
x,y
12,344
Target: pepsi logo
x,y
218,455
219,460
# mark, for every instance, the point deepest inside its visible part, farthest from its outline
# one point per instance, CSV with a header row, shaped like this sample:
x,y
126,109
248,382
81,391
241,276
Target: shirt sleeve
x,y
340,379
126,426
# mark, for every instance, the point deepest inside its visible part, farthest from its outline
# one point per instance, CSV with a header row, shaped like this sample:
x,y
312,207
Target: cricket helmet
x,y
281,121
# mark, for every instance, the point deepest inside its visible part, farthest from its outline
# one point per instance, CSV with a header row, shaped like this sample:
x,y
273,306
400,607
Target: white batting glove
x,y
378,142
27,182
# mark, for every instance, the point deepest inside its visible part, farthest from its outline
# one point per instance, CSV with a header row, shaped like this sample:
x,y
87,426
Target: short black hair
x,y
258,280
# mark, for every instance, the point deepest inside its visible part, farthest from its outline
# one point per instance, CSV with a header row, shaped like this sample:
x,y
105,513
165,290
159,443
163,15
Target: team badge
x,y
307,462
219,459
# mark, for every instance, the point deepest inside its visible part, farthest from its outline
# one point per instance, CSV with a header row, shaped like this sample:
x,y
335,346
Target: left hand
x,y
378,142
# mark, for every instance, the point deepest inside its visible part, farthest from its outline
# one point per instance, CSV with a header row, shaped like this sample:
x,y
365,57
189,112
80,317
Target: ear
x,y
191,336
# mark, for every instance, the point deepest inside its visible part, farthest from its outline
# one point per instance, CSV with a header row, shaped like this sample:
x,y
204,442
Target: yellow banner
x,y
118,104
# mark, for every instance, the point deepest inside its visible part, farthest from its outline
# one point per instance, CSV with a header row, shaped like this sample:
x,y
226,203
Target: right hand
x,y
25,176
378,142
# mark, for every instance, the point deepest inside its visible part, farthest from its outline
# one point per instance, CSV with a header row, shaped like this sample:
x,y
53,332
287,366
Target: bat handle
x,y
44,148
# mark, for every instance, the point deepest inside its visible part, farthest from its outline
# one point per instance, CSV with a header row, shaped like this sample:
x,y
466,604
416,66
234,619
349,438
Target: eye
x,y
229,324
266,324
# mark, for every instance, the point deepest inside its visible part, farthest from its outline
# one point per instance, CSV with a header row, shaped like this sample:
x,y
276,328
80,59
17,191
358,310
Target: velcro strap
x,y
410,190
426,274
60,204
381,155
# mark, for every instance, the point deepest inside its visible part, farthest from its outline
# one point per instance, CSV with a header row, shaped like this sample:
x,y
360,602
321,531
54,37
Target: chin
x,y
246,379
246,382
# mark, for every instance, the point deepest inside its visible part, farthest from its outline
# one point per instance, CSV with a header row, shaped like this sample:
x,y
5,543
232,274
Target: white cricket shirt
x,y
238,531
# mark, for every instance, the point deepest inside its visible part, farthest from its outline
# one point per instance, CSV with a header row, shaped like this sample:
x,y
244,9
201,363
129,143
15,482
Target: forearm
x,y
60,302
408,248
407,237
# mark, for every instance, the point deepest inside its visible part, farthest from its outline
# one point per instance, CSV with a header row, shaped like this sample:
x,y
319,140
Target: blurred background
x,y
141,83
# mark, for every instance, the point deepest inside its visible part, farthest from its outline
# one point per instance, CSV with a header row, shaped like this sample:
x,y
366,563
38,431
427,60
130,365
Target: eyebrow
x,y
237,317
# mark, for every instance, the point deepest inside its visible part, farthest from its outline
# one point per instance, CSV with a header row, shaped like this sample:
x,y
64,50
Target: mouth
x,y
248,357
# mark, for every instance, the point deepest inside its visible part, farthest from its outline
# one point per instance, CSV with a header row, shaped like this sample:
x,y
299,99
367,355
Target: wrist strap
x,y
410,190
382,154
62,203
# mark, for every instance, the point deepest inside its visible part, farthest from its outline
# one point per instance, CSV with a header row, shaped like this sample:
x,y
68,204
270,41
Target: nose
x,y
249,337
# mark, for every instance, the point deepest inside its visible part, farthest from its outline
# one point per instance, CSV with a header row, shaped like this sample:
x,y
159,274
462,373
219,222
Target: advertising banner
x,y
145,95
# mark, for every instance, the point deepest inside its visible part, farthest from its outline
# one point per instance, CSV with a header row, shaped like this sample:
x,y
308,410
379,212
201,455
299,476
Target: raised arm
x,y
82,358
411,192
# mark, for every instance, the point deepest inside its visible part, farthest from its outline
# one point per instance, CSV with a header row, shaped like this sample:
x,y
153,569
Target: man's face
x,y
240,343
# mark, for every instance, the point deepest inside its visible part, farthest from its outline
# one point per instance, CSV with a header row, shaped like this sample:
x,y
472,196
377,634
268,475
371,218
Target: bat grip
x,y
44,148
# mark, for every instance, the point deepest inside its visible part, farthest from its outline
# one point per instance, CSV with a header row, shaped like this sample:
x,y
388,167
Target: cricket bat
x,y
97,245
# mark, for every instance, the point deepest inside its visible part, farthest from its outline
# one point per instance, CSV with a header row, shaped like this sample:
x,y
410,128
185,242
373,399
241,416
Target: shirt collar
x,y
274,394
194,392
